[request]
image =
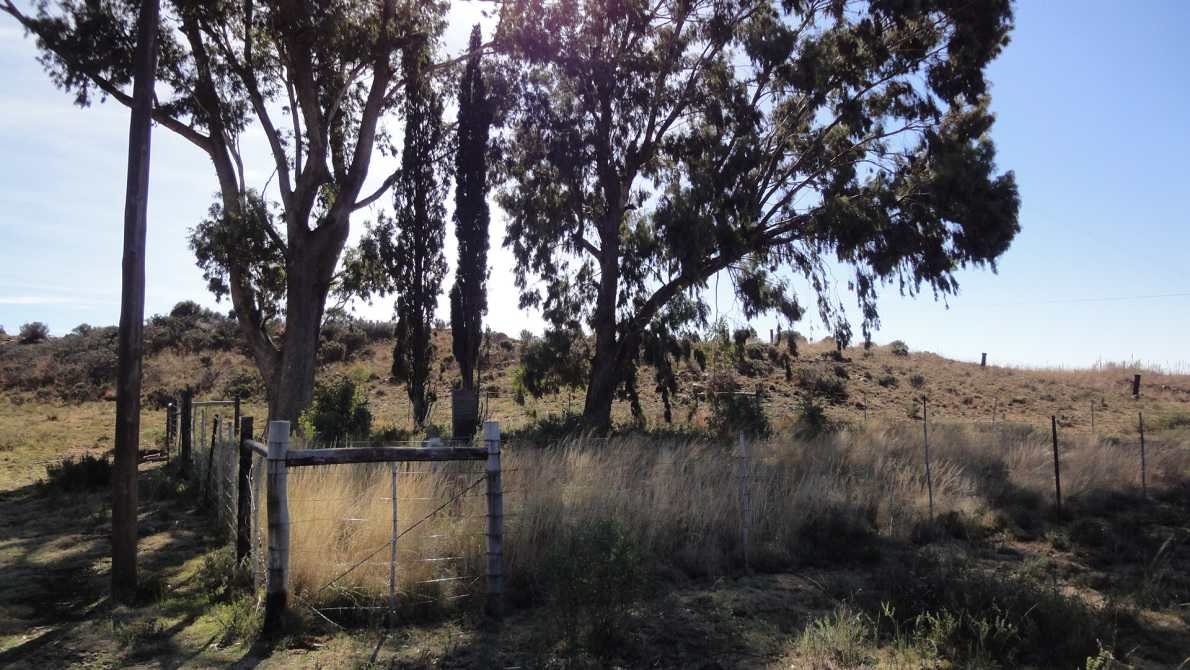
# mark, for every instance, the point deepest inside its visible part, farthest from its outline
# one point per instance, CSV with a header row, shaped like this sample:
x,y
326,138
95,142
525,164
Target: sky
x,y
1092,100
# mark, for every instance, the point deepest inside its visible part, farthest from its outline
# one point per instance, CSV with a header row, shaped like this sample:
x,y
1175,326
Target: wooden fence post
x,y
1144,477
1092,418
1057,466
1136,386
745,497
277,589
244,493
925,440
186,429
495,534
983,360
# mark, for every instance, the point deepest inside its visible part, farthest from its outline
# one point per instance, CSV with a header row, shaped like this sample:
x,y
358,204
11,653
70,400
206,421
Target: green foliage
x,y
917,380
338,410
220,578
734,413
821,386
841,639
247,238
468,296
188,328
888,381
812,420
899,348
590,576
630,171
556,361
77,475
547,430
33,333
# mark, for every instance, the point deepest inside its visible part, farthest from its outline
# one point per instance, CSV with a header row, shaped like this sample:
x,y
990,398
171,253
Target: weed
x,y
74,475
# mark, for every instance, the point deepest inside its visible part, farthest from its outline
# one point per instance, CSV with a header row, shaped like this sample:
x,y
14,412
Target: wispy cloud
x,y
43,300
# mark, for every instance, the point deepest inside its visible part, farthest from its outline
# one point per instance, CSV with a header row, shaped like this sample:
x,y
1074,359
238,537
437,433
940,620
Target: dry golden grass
x,y
680,501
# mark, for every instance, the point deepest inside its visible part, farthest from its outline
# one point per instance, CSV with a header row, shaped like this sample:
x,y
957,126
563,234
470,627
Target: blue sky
x,y
1093,107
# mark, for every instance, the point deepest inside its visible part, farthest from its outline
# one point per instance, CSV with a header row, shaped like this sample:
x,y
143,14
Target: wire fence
x,y
383,539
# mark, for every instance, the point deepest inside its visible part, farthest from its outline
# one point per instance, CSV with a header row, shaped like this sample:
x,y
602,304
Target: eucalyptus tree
x,y
468,296
316,79
657,143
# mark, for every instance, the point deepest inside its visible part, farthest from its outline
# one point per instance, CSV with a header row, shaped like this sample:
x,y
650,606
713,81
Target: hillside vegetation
x,y
629,552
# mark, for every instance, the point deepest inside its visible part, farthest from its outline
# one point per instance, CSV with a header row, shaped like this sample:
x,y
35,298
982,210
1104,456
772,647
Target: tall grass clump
x,y
829,499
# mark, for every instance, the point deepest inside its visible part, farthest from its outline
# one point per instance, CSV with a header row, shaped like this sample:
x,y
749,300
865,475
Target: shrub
x,y
888,381
818,385
899,348
812,420
733,413
591,575
221,578
86,473
917,380
34,332
244,384
548,430
338,410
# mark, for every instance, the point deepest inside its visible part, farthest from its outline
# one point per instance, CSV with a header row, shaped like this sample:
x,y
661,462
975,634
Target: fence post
x,y
169,415
1144,478
236,414
925,440
495,534
1135,386
186,429
244,493
392,562
983,361
211,458
1057,466
277,589
1092,418
745,497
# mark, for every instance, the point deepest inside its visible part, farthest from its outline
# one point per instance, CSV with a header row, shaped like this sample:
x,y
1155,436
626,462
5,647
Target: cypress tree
x,y
468,296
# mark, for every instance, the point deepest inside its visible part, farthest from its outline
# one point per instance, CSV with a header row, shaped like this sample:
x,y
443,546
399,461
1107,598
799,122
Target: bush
x,y
338,410
888,381
899,348
812,420
832,389
590,576
244,384
917,380
32,333
548,430
733,413
86,473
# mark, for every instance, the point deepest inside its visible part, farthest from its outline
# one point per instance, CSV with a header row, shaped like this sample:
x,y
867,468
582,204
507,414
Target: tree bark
x,y
132,311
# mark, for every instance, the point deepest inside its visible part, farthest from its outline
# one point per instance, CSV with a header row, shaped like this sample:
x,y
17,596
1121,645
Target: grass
x,y
627,552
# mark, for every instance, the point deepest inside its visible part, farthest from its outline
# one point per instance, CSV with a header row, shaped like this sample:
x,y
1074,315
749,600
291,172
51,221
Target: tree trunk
x,y
310,268
132,311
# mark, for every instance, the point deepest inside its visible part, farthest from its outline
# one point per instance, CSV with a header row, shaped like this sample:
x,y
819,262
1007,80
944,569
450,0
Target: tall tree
x,y
132,309
402,254
658,143
316,80
468,296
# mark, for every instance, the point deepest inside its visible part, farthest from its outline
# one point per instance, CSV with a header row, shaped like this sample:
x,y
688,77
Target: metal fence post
x,y
277,590
244,493
745,497
925,439
187,430
1057,467
495,532
1144,475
